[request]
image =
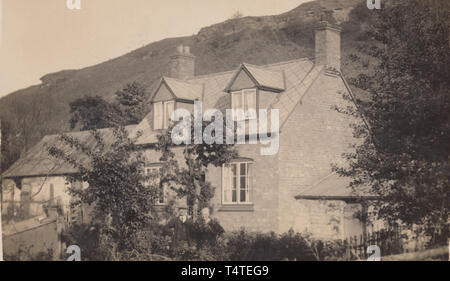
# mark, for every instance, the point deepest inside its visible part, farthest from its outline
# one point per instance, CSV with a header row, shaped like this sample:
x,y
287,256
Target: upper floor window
x,y
244,100
161,114
153,178
236,183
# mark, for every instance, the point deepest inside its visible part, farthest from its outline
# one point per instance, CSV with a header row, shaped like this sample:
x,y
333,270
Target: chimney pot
x,y
182,63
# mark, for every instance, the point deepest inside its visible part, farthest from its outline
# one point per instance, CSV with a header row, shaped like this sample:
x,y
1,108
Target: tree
x,y
129,107
132,101
112,167
94,113
10,145
237,15
405,152
188,180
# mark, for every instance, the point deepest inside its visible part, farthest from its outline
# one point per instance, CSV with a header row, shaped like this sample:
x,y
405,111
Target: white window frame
x,y
244,105
229,181
158,125
162,190
166,120
164,114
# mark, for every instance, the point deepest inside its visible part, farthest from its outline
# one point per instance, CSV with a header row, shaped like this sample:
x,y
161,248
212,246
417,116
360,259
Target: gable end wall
x,y
313,137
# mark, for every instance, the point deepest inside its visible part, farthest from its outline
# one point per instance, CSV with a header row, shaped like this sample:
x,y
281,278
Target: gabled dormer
x,y
252,85
171,94
252,76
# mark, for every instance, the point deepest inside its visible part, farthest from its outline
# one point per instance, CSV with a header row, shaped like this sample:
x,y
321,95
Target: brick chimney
x,y
328,45
182,63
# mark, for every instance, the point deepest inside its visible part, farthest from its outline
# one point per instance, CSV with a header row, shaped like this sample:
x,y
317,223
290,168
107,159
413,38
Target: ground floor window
x,y
236,183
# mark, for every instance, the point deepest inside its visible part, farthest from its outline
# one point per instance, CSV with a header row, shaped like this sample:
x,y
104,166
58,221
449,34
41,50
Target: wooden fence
x,y
388,240
396,243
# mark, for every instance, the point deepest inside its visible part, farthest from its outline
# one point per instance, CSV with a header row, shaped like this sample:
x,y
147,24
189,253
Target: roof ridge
x,y
182,81
212,74
282,62
260,66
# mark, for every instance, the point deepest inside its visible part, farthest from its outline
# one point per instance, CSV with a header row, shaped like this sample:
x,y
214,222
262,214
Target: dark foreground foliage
x,y
206,242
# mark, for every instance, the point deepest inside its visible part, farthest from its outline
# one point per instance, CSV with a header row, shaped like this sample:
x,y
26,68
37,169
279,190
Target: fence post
x,y
361,247
416,230
347,254
399,238
1,195
350,241
392,239
366,239
372,237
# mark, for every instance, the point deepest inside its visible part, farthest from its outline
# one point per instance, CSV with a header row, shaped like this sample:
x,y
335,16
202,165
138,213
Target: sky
x,y
38,37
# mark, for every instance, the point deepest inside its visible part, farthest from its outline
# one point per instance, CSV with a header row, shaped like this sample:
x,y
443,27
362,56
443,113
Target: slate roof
x,y
37,161
293,94
263,77
298,75
184,90
148,135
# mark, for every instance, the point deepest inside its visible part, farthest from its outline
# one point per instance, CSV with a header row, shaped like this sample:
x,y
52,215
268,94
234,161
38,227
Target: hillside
x,y
31,113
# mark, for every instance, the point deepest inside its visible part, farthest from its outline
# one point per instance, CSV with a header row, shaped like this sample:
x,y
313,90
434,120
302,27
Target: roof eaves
x,y
17,168
347,198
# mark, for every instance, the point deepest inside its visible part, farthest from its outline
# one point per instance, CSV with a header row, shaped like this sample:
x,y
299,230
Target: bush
x,y
204,243
87,237
246,246
207,242
329,250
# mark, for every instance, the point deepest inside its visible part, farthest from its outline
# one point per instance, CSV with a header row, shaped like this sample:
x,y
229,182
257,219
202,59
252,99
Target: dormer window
x,y
161,114
244,100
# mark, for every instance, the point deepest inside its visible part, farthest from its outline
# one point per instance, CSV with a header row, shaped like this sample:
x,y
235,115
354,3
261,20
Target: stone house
x,y
294,188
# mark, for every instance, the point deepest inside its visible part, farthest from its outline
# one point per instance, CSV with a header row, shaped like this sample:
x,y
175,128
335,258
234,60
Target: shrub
x,y
329,250
206,242
245,246
87,237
